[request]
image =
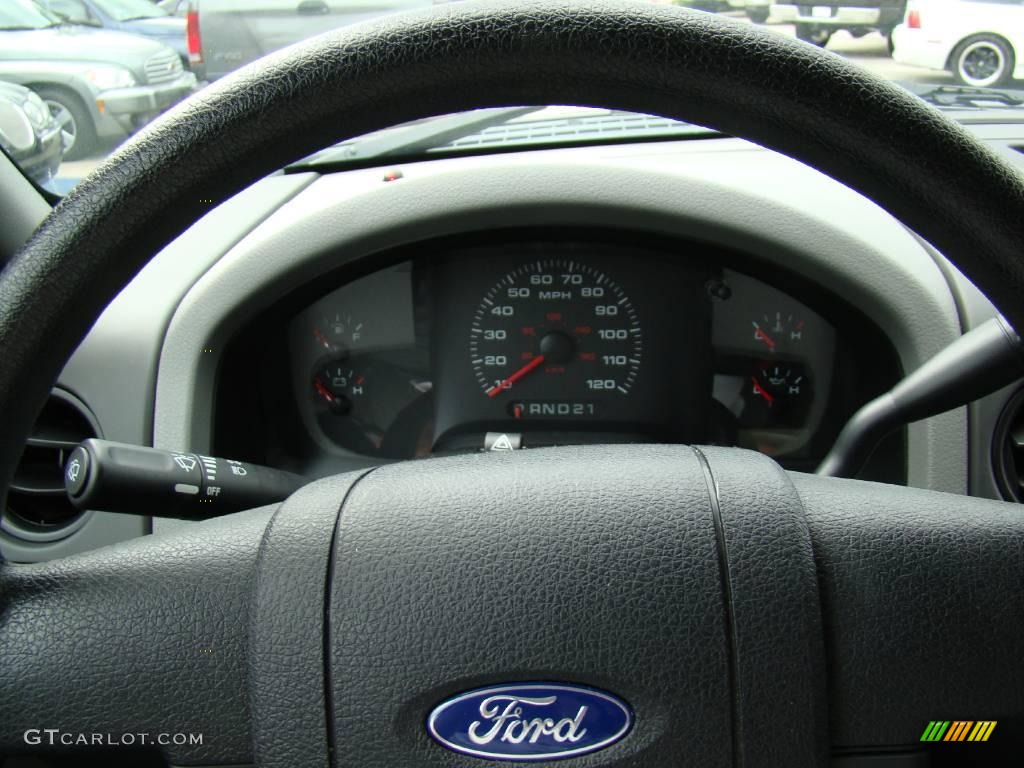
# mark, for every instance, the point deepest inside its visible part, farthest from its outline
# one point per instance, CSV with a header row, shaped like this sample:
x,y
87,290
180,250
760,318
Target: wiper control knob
x,y
118,477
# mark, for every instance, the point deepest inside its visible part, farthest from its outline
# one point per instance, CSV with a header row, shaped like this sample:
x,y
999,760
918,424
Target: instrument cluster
x,y
531,343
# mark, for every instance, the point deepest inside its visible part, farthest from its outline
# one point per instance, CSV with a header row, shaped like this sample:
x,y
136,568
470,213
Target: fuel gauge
x,y
337,332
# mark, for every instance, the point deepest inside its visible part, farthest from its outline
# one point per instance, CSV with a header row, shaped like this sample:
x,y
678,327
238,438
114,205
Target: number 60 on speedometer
x,y
556,329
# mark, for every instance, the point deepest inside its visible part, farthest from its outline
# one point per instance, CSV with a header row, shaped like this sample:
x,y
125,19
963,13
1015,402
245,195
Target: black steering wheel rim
x,y
785,95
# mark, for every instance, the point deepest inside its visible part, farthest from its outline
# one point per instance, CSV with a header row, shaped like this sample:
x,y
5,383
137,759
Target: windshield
x,y
127,10
23,14
962,56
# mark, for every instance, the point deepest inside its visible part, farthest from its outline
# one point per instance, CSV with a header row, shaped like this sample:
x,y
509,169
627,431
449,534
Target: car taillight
x,y
195,40
914,19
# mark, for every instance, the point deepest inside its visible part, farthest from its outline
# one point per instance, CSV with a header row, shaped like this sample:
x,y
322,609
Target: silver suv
x,y
98,84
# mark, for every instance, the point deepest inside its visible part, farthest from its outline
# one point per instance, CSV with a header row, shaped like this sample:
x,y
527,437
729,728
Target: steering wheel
x,y
741,615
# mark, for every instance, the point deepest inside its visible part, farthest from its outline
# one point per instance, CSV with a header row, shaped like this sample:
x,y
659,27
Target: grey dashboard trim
x,y
114,370
984,413
118,359
725,191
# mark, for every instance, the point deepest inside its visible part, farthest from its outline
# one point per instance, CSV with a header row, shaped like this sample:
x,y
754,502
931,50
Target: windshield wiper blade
x,y
414,138
965,97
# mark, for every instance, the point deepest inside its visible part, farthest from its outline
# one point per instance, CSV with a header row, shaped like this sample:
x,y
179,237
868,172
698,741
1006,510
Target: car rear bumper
x,y
913,47
826,16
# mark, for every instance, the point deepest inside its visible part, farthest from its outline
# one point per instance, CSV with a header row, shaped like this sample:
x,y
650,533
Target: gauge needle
x,y
760,334
759,390
324,391
322,338
497,389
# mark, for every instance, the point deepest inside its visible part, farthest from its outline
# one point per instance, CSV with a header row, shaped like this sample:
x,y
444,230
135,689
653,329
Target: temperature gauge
x,y
776,395
778,331
340,385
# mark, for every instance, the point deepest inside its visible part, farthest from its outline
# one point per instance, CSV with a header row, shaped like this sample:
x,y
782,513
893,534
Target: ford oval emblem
x,y
530,721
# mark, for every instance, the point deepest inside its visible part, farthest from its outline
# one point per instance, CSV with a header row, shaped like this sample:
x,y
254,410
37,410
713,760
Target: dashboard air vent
x,y
1008,450
37,508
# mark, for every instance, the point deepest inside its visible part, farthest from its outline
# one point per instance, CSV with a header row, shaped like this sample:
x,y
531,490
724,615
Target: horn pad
x,y
600,567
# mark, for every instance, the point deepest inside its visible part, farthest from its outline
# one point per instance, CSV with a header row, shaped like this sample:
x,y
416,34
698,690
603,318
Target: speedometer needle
x,y
498,388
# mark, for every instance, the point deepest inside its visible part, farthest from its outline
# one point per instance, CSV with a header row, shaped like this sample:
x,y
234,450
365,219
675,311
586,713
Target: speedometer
x,y
555,338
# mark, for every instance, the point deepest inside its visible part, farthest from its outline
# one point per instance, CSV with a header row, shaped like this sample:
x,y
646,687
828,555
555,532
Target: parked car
x,y
29,134
98,84
227,34
818,22
139,17
757,10
980,41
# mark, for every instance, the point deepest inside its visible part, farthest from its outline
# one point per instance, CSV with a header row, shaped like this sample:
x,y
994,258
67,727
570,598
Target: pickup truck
x,y
756,10
224,35
816,21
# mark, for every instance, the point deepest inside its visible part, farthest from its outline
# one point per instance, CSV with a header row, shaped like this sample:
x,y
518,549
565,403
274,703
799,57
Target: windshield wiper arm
x,y
416,138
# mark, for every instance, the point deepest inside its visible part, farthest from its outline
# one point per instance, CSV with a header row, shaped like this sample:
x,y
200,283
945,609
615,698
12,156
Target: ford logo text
x,y
530,721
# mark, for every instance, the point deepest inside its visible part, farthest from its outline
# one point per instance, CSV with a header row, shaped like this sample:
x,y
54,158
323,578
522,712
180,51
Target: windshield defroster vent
x,y
590,125
37,507
1008,450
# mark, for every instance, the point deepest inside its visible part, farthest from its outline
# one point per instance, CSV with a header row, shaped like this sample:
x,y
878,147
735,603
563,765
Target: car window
x,y
125,10
74,10
23,14
961,55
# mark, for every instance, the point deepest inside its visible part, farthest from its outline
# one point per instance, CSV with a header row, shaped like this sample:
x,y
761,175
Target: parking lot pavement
x,y
869,52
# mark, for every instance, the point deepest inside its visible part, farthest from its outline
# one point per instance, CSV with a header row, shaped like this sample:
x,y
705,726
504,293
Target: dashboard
x,y
522,340
321,323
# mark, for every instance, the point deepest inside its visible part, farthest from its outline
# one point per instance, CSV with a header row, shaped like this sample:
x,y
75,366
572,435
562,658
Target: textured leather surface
x,y
923,597
286,635
732,76
148,636
591,565
779,657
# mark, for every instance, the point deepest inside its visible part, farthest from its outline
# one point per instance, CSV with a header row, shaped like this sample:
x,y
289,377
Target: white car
x,y
979,41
